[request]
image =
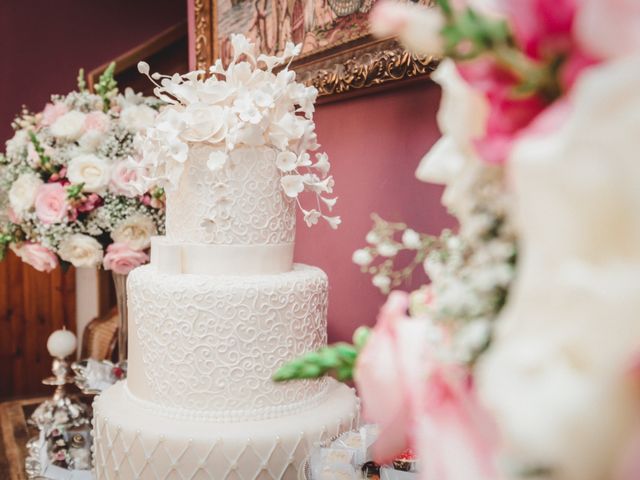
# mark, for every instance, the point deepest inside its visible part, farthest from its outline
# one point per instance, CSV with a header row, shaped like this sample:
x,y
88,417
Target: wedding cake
x,y
222,305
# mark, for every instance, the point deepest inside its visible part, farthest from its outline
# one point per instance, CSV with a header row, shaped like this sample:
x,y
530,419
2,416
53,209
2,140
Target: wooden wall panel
x,y
32,305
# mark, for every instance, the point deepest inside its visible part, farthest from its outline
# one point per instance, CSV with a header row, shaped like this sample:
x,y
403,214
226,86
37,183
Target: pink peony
x,y
97,122
122,259
390,376
39,257
51,112
51,203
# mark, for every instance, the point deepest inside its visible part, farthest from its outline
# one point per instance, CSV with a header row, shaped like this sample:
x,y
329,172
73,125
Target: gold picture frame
x,y
350,68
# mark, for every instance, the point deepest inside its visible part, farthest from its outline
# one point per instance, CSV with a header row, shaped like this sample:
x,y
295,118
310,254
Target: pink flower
x,y
51,203
508,112
125,179
456,438
13,217
390,376
91,202
39,257
122,259
97,122
51,112
608,29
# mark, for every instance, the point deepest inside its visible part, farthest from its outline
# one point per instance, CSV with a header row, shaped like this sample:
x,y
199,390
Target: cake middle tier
x,y
206,346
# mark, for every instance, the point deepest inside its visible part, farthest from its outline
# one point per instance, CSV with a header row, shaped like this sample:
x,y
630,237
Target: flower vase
x,y
120,282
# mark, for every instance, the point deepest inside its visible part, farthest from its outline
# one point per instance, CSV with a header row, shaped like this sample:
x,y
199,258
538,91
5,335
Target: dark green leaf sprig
x,y
337,360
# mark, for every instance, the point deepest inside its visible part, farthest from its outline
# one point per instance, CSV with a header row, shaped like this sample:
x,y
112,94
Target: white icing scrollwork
x,y
211,344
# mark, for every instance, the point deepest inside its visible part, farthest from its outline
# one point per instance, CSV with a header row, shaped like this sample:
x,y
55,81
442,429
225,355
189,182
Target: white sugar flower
x,y
329,202
241,46
246,109
362,257
333,222
217,160
204,123
411,239
69,126
215,91
22,193
322,163
286,161
387,249
135,231
91,170
292,185
311,217
81,251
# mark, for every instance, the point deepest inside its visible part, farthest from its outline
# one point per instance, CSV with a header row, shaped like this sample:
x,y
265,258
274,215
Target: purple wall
x,y
374,144
43,43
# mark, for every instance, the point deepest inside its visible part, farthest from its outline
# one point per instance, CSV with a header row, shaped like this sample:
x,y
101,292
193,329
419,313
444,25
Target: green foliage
x,y
45,160
82,84
107,86
337,360
74,191
5,240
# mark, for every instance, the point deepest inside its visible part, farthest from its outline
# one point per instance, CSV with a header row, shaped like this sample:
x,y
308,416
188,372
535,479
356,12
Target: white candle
x,y
61,343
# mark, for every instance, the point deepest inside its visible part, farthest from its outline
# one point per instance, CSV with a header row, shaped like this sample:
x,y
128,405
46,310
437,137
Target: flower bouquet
x,y
520,358
71,185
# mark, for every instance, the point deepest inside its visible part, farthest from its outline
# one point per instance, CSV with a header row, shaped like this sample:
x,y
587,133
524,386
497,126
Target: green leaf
x,y
361,337
74,191
338,359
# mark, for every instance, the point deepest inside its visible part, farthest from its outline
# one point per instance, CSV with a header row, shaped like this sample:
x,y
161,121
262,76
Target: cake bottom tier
x,y
132,443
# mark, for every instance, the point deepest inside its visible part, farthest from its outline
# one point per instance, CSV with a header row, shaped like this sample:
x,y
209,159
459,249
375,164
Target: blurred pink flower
x,y
456,438
608,29
12,216
508,112
51,112
97,121
390,376
51,203
122,259
39,257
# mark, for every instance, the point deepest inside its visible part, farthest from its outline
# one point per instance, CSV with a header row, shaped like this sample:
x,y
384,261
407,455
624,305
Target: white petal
x,y
292,185
217,160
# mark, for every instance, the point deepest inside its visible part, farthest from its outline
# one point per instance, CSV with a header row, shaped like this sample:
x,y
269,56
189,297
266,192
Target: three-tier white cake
x,y
222,305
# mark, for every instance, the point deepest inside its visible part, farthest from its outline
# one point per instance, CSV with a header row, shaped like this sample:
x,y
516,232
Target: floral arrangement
x,y
520,358
246,104
72,183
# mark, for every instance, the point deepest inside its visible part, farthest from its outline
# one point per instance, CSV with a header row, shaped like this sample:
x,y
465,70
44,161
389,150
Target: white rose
x,y
137,117
81,251
90,141
69,126
136,232
204,123
22,194
91,170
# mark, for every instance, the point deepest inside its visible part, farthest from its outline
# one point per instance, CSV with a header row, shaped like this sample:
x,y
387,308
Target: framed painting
x,y
338,57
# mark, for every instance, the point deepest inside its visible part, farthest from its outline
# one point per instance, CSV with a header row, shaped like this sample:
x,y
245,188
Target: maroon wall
x,y
374,143
44,42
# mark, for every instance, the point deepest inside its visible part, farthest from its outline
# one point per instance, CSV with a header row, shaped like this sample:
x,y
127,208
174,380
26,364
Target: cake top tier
x,y
253,110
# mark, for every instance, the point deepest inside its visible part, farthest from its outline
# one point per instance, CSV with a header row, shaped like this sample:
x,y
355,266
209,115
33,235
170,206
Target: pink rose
x,y
96,122
51,203
456,438
122,259
125,179
51,112
39,257
390,376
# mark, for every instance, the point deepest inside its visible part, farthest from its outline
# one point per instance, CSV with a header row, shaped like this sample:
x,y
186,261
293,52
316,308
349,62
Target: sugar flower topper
x,y
246,104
